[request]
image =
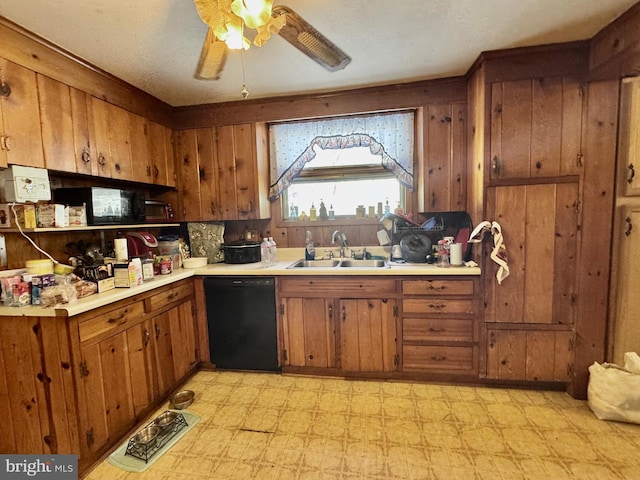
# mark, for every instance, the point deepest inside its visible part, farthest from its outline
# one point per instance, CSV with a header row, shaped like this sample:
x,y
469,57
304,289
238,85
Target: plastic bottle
x,y
309,249
273,255
265,253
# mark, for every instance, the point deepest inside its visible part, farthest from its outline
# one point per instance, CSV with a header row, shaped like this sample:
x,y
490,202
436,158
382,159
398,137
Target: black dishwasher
x,y
241,313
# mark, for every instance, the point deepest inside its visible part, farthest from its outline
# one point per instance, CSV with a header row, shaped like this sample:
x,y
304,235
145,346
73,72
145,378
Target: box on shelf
x,y
26,214
53,215
78,216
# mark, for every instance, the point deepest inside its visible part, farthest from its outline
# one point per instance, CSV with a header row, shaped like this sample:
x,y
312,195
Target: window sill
x,y
321,223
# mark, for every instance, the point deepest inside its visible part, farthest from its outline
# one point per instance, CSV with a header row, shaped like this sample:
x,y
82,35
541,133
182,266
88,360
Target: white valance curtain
x,y
389,136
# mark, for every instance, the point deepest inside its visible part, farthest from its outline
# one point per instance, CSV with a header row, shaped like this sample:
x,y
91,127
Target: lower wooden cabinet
x,y
531,355
339,325
131,355
440,326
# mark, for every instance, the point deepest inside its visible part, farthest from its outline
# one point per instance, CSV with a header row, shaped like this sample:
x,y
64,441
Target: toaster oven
x,y
157,211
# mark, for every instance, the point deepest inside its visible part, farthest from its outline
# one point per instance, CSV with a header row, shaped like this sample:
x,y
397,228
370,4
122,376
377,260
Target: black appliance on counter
x,y
436,226
105,206
241,251
241,313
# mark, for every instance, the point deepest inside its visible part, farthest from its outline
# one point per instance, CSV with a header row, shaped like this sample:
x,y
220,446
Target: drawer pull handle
x,y
157,329
438,358
436,306
172,295
436,330
147,337
118,318
86,156
437,289
632,173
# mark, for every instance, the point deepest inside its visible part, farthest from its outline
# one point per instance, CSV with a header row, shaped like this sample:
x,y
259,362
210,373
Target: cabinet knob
x,y
156,172
101,160
495,165
5,89
5,143
147,337
632,173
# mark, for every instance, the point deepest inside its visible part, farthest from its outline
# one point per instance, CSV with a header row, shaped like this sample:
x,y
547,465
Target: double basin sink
x,y
338,263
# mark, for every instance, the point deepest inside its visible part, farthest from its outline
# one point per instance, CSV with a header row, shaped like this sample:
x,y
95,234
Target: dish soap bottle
x,y
309,249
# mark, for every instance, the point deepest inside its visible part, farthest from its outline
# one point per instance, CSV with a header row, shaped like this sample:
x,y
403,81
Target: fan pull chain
x,y
244,92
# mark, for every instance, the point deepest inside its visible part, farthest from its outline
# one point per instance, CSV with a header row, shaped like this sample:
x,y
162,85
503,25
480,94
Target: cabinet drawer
x,y
439,306
111,321
437,329
340,288
166,297
438,287
447,358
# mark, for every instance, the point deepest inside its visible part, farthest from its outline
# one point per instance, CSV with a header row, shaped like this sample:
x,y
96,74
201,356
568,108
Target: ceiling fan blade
x,y
299,33
212,58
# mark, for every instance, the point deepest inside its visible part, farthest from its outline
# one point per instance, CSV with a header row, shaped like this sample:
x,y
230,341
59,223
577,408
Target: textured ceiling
x,y
155,44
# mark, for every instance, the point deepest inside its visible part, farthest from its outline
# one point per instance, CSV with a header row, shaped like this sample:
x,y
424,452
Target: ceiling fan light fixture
x,y
234,35
254,13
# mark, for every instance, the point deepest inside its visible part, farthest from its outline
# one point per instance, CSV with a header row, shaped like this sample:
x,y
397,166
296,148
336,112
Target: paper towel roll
x,y
120,246
455,253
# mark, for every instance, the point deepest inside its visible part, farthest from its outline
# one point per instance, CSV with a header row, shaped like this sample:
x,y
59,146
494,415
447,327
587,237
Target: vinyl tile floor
x,y
263,426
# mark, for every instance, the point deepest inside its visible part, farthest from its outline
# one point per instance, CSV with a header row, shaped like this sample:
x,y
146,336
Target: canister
x,y
39,266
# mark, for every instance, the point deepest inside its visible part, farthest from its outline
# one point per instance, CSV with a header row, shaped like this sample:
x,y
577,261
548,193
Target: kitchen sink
x,y
315,264
363,264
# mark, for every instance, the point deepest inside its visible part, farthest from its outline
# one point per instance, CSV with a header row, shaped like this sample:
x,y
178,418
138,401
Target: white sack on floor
x,y
614,391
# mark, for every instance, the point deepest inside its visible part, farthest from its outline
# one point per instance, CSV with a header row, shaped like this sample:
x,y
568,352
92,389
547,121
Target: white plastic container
x,y
273,255
265,253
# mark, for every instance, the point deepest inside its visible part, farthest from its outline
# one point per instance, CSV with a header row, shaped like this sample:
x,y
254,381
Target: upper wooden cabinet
x,y
536,128
20,132
629,138
442,174
140,152
161,157
57,124
223,172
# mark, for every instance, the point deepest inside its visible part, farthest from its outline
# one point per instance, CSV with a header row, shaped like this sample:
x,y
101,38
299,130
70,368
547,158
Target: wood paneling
x,y
596,224
39,55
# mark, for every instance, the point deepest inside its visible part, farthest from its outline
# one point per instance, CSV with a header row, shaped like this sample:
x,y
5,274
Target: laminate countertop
x,y
286,257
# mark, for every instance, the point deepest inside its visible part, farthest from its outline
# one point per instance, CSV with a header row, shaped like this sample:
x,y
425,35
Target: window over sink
x,y
346,167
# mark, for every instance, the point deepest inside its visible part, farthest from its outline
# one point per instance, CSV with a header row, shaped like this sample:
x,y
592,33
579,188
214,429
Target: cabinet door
x,y
84,146
228,196
367,335
626,324
629,139
444,160
188,174
57,125
161,155
107,387
144,385
540,229
309,333
119,143
535,128
99,123
543,356
210,193
164,359
183,339
141,170
21,135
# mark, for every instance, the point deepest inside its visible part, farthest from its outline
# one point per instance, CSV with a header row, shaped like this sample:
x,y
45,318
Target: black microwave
x,y
105,206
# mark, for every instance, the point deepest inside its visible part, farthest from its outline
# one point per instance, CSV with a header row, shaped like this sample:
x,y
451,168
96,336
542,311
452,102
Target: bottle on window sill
x,y
312,213
332,215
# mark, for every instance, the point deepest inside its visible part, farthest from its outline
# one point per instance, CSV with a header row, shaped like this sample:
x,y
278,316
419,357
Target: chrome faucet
x,y
343,241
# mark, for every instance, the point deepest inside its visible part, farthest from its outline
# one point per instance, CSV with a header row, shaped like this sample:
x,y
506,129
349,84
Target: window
x,y
345,165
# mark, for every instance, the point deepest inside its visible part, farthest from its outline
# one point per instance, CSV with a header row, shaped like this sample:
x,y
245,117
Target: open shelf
x,y
90,227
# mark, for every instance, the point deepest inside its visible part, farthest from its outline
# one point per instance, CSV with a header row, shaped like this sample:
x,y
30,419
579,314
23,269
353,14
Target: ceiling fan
x,y
229,19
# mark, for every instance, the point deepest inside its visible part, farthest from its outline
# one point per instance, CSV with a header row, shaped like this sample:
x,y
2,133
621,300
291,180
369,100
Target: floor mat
x,y
120,459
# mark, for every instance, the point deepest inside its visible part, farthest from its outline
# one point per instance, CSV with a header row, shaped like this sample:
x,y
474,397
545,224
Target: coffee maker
x,y
140,244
